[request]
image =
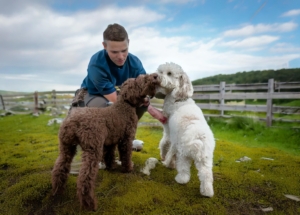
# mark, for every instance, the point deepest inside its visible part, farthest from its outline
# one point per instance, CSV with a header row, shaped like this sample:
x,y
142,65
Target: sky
x,y
47,44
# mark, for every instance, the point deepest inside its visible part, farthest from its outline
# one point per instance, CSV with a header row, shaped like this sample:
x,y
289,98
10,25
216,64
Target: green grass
x,y
29,148
251,133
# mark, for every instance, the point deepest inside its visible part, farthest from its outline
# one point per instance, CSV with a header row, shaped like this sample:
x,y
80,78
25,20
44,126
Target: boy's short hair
x,y
115,32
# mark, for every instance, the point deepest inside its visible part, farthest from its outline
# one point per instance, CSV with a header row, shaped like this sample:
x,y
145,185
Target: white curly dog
x,y
187,137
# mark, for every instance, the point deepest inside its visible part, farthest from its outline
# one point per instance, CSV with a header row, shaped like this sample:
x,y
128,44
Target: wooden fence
x,y
262,91
207,97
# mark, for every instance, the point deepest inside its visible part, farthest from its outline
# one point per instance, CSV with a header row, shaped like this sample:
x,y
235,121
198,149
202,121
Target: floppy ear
x,y
184,89
128,91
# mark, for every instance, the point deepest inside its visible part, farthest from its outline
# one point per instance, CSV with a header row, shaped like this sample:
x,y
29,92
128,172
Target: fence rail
x,y
207,97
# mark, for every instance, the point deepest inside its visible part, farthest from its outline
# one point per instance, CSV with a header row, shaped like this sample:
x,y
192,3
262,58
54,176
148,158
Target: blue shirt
x,y
103,75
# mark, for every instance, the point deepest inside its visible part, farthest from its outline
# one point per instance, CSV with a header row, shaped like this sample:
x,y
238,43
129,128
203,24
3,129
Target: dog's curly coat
x,y
187,136
99,131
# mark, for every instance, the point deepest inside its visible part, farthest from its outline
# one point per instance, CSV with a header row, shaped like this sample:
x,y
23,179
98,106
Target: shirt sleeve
x,y
141,70
100,79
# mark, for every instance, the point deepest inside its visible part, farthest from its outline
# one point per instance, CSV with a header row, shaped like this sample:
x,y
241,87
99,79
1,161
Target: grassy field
x,y
29,149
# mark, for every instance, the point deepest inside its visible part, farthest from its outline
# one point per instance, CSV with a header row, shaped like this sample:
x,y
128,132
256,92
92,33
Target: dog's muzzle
x,y
146,101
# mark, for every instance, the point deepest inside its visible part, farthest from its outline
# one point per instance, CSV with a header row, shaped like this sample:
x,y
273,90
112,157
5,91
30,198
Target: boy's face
x,y
117,51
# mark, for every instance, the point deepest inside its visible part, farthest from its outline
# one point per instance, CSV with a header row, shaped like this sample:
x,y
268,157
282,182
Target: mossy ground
x,y
29,148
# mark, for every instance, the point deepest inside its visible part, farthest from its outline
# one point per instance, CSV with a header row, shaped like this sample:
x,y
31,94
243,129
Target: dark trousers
x,y
100,101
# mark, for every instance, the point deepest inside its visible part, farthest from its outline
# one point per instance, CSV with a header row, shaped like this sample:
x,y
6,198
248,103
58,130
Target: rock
x,y
264,158
137,145
7,113
295,198
54,121
267,209
243,159
36,114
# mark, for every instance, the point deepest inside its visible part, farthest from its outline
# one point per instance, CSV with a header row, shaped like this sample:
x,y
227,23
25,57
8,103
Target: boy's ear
x,y
104,45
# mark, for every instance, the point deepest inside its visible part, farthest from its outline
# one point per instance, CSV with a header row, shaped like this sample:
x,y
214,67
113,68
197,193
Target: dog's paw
x,y
127,168
206,189
102,165
90,205
182,178
87,201
167,164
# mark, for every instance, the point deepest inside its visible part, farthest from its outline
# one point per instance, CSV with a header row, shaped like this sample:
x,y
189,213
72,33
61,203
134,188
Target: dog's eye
x,y
169,73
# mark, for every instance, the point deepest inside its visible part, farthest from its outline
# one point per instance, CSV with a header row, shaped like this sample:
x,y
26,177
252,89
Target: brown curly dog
x,y
99,131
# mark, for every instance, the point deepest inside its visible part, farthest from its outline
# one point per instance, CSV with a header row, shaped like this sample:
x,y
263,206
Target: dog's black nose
x,y
155,76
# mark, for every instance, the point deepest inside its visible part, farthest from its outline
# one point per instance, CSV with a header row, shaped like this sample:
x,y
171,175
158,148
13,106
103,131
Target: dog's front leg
x,y
164,143
170,157
125,153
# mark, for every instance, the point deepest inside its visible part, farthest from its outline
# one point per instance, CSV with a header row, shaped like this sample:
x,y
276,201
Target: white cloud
x,y
177,1
292,13
178,28
261,28
57,47
203,59
285,48
166,2
43,50
251,42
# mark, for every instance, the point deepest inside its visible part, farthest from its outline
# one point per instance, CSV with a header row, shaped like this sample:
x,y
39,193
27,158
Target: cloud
x,y
261,28
292,13
285,48
165,2
177,1
13,6
42,49
56,46
200,58
251,42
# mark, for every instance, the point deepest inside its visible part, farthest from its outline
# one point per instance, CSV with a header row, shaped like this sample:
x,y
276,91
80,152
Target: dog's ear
x,y
184,88
128,92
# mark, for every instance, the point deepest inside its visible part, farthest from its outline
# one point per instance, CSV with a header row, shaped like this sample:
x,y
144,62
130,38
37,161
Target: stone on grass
x,y
243,159
55,121
295,198
137,145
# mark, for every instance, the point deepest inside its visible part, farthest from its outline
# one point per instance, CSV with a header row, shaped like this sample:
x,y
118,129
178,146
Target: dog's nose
x,y
155,76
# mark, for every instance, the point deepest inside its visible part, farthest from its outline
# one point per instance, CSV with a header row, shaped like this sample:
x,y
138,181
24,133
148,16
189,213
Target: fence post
x,y
3,105
53,98
36,101
222,93
270,102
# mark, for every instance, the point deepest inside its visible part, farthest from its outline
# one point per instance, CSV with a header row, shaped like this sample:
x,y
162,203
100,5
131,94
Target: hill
x,y
282,75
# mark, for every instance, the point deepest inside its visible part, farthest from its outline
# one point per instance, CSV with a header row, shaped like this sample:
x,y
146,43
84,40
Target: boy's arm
x,y
157,114
112,97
